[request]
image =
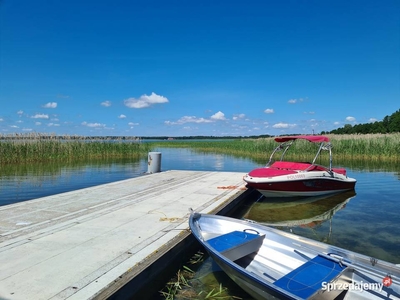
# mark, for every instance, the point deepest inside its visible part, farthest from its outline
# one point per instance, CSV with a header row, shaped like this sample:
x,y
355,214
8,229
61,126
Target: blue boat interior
x,y
231,239
309,277
237,244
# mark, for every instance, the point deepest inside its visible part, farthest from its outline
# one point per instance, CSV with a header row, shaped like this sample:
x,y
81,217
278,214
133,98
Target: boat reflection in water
x,y
292,212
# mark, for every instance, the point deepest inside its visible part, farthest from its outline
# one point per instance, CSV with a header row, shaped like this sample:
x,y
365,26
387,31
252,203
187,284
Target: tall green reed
x,y
39,150
380,147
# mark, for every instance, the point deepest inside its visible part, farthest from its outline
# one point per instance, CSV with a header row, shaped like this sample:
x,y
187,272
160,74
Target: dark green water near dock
x,y
364,221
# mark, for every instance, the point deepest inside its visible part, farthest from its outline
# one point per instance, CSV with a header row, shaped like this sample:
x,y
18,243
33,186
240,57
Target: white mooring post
x,y
154,162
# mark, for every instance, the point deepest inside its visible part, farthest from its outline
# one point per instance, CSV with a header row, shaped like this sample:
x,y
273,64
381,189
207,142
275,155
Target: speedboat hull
x,y
315,183
282,178
271,264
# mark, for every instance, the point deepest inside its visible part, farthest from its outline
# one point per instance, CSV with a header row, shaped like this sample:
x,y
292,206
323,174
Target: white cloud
x,y
269,111
53,124
93,125
373,120
1,119
50,105
218,116
239,116
133,124
293,101
283,125
145,101
27,129
336,123
106,103
238,127
20,112
188,119
38,123
121,116
40,116
350,119
193,119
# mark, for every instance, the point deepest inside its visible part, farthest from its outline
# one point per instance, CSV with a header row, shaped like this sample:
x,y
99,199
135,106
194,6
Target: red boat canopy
x,y
311,138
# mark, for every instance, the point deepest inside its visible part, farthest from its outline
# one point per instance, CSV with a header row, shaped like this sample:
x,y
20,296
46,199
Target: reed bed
x,y
376,147
368,146
46,150
189,284
40,148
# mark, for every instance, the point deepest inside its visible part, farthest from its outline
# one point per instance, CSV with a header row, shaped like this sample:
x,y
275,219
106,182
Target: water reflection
x,y
219,162
186,159
367,165
29,181
307,212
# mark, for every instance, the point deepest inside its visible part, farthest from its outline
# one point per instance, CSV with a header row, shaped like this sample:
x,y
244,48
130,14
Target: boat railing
x,y
325,147
283,146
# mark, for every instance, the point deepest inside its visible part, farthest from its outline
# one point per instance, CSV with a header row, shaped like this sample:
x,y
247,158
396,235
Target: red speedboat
x,y
287,178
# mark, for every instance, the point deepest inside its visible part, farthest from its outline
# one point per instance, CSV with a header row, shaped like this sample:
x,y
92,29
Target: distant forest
x,y
389,124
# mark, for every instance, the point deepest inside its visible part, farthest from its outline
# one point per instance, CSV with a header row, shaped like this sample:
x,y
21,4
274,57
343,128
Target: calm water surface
x,y
364,221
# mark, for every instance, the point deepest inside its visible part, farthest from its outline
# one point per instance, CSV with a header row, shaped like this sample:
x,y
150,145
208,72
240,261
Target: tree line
x,y
389,124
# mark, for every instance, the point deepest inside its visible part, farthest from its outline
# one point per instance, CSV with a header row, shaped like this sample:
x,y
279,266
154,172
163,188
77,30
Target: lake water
x,y
364,221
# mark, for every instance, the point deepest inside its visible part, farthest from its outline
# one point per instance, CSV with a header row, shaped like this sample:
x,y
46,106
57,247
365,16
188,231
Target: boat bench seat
x,y
339,170
308,279
237,244
288,165
302,166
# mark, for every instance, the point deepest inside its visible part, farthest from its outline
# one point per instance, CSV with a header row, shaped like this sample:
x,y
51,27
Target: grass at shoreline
x,y
369,147
31,151
378,147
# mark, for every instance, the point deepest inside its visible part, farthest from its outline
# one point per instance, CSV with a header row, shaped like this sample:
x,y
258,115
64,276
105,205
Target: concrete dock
x,y
94,242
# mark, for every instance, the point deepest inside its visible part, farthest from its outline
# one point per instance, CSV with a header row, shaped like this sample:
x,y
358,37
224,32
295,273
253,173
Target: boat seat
x,y
270,172
237,244
339,170
288,165
308,279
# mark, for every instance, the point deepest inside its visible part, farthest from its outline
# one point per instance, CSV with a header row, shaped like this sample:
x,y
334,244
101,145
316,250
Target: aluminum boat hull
x,y
272,267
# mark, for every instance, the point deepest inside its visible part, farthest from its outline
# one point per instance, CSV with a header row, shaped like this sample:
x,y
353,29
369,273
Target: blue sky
x,y
184,68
